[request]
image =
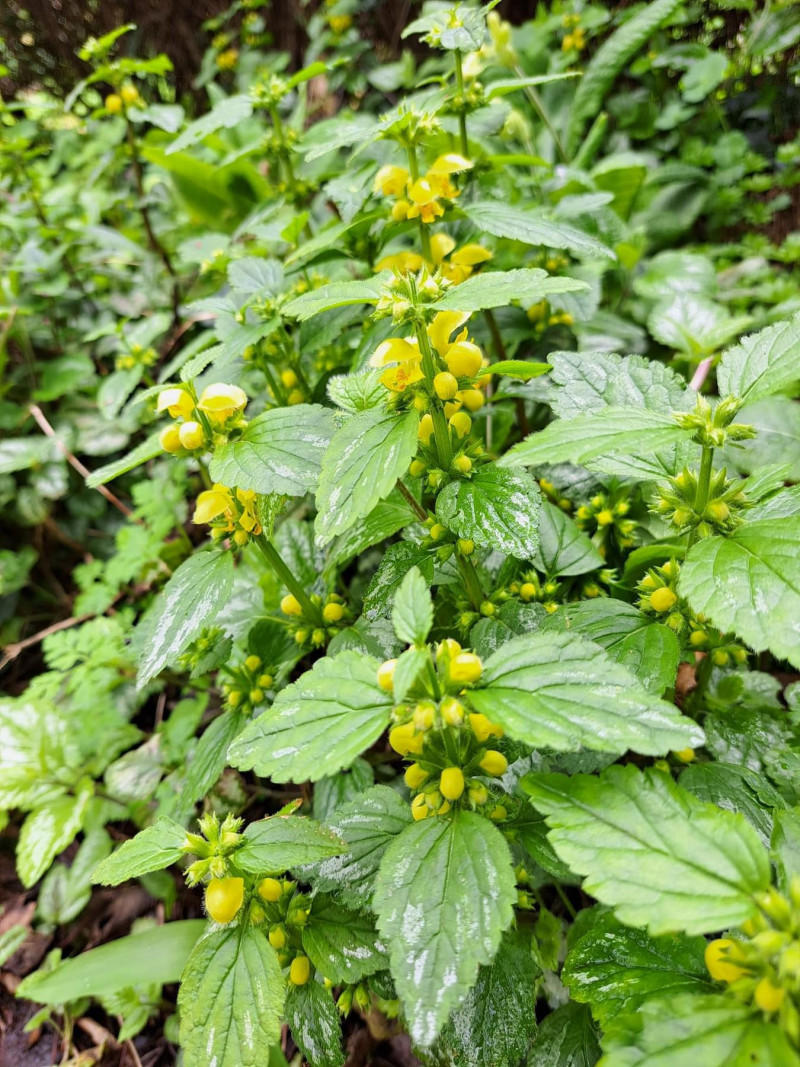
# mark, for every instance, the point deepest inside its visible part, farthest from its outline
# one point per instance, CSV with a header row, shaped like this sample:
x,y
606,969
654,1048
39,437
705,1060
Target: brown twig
x,y
418,509
11,652
75,463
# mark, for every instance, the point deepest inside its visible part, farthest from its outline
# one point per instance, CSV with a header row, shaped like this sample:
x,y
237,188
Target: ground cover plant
x,y
400,577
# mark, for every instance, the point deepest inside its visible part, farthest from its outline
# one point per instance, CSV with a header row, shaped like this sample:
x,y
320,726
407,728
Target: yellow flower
x,y
176,401
402,262
462,262
405,358
401,376
114,103
424,204
391,180
442,327
442,244
220,401
340,23
227,60
212,503
439,174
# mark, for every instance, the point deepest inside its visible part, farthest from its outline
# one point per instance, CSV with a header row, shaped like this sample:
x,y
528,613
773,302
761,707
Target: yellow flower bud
x,y
446,385
768,996
605,517
234,698
438,531
473,399
256,696
176,401
482,728
391,180
192,436
719,956
265,680
300,970
698,638
425,431
478,794
451,783
170,439
685,755
419,807
414,776
114,104
465,669
493,763
289,378
498,813
424,715
461,423
404,739
452,711
277,937
270,889
465,546
463,464
129,93
386,675
416,468
290,605
662,599
253,663
295,397
332,612
224,898
220,401
464,359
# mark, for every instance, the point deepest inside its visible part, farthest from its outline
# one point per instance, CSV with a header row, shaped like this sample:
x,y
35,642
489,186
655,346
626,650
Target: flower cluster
x,y
448,741
319,621
284,909
455,264
200,423
605,518
229,511
419,198
575,39
248,683
136,356
128,96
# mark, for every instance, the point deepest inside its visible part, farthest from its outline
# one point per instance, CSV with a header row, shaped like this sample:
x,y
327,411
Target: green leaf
x,y
337,294
533,228
231,998
47,831
318,725
776,420
148,449
693,324
608,62
193,596
495,1023
159,846
712,1031
786,846
282,842
616,969
566,1038
607,380
393,568
37,744
444,896
647,648
410,665
749,583
494,508
280,451
412,614
493,289
564,550
155,955
651,850
763,364
315,1024
560,691
210,756
341,944
520,368
368,824
228,113
735,789
621,441
365,458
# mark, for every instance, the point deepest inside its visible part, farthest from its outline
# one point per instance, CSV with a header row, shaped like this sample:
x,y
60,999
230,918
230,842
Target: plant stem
x,y
310,609
155,245
441,430
539,108
424,236
462,115
703,487
411,500
471,581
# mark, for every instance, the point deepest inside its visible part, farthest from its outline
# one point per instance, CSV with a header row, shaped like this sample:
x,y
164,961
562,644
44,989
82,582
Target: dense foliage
x,y
427,432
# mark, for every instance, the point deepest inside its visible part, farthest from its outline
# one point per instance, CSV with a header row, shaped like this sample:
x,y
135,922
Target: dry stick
x,y
74,462
11,652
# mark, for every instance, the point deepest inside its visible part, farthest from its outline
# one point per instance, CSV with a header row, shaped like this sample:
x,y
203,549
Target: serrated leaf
x,y
763,363
560,691
616,969
495,508
661,858
315,1024
715,1031
153,849
647,648
393,567
609,61
786,846
337,294
566,1038
749,583
209,758
533,228
228,113
693,324
496,1022
443,897
231,998
564,549
280,451
493,289
318,725
412,613
621,441
608,380
283,842
341,944
368,824
361,466
195,593
47,831
410,665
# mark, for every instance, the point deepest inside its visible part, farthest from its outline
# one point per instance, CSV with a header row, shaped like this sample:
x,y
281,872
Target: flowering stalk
x,y
273,557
